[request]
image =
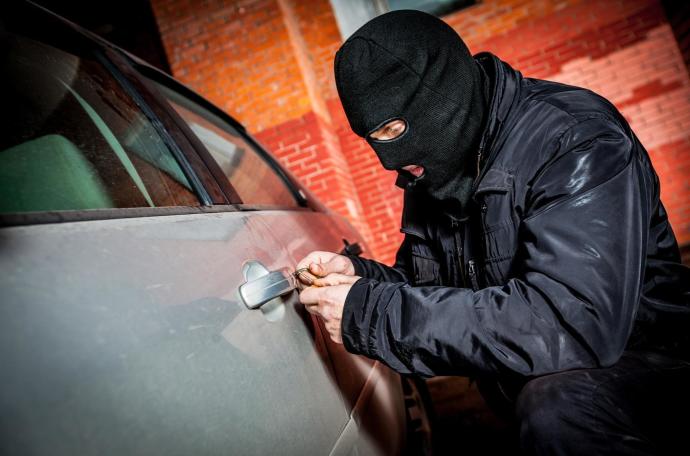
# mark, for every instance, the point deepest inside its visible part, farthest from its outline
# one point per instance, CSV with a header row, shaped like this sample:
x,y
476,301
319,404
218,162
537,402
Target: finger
x,y
311,296
317,256
307,260
305,277
332,325
335,279
313,309
322,269
317,269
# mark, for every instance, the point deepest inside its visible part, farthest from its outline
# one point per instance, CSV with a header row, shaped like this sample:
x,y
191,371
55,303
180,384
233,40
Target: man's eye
x,y
393,132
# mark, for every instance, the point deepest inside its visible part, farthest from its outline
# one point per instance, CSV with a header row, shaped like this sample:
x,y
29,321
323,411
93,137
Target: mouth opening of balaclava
x,y
412,66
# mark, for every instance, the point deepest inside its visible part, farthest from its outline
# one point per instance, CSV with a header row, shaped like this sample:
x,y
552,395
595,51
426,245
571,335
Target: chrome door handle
x,y
262,285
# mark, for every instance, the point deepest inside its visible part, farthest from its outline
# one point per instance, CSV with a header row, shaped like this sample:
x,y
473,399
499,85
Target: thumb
x,y
323,269
317,269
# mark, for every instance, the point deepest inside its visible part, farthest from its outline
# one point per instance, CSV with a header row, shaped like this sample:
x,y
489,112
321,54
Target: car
x,y
148,250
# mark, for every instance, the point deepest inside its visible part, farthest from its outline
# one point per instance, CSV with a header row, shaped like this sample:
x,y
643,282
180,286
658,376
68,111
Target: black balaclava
x,y
412,66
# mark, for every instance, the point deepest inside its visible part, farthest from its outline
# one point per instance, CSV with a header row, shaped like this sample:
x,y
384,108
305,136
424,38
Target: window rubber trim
x,y
160,77
52,217
201,192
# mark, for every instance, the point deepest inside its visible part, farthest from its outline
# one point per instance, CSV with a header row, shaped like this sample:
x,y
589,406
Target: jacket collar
x,y
505,93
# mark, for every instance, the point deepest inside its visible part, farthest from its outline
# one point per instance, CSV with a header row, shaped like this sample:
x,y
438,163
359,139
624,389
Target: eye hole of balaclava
x,y
412,66
390,130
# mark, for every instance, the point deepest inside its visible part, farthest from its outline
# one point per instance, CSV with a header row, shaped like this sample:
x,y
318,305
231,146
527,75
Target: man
x,y
537,255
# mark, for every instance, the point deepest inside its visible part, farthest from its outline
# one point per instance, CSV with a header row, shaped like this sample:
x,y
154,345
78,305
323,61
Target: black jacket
x,y
565,259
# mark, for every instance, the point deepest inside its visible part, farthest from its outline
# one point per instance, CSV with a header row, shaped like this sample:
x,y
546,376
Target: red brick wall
x,y
625,50
259,60
269,64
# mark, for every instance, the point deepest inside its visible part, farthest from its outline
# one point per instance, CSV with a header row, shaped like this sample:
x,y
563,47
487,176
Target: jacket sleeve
x,y
572,300
383,273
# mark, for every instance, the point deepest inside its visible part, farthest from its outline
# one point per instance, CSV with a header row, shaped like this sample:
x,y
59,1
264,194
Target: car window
x,y
254,179
74,139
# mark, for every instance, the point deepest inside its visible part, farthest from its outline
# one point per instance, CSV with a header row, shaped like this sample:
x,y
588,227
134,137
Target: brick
x,y
274,73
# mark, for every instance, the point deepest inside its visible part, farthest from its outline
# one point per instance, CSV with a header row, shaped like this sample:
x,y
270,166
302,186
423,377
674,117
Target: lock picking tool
x,y
305,277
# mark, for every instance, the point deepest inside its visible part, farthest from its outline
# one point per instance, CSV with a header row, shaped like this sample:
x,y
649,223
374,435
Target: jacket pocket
x,y
499,244
425,266
498,239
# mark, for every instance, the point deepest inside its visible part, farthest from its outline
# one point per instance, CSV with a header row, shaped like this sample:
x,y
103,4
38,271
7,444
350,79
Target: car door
x,y
372,392
121,329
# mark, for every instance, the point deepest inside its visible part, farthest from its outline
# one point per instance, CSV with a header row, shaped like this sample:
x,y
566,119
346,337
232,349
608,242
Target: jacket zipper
x,y
490,158
457,239
473,275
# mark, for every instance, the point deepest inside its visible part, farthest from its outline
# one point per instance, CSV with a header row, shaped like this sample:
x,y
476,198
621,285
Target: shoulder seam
x,y
577,195
559,138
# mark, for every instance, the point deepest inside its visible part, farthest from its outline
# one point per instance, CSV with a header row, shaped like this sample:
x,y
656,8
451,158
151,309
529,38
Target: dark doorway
x,y
129,24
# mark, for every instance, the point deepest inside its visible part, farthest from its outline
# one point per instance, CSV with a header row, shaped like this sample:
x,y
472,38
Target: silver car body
x,y
126,335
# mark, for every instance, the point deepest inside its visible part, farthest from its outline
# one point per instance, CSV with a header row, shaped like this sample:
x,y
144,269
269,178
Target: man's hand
x,y
327,301
321,264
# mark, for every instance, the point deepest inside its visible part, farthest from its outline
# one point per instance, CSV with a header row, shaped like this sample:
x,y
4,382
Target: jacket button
x,y
483,207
